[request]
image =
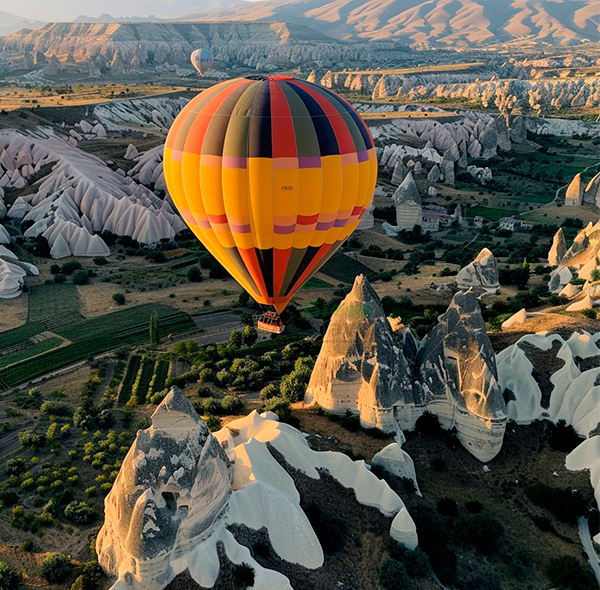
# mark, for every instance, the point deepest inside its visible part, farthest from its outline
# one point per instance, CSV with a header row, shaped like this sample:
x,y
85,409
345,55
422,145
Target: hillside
x,y
442,23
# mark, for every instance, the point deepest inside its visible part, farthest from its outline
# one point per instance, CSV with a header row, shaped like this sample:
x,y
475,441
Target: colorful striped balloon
x,y
272,174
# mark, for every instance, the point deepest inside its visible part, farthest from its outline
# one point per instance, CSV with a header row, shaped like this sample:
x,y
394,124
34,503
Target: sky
x,y
67,10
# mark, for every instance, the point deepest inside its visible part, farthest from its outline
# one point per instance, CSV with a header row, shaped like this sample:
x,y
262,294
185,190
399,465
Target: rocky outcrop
x,y
82,195
182,492
407,201
389,379
456,366
481,275
174,483
13,273
360,367
574,194
581,261
558,248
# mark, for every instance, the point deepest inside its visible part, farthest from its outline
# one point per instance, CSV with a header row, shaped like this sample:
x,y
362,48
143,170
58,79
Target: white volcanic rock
x,y
398,462
11,279
481,274
581,257
83,190
570,290
399,172
591,193
434,174
587,456
561,127
4,235
481,175
360,367
456,367
131,153
173,499
407,201
574,194
19,208
158,112
558,248
516,319
548,377
585,303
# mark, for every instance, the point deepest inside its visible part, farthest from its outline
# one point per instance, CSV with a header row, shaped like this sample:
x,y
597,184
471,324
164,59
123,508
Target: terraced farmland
x,y
91,337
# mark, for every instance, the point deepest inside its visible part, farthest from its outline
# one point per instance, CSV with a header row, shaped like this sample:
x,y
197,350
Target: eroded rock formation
x,y
480,275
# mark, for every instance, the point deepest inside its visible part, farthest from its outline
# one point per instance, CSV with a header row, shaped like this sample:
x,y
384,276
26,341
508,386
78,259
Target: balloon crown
x,y
274,78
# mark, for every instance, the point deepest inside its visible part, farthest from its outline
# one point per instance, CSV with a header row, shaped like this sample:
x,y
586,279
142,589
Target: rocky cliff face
x,y
361,367
182,495
558,248
452,372
100,49
456,366
481,275
175,481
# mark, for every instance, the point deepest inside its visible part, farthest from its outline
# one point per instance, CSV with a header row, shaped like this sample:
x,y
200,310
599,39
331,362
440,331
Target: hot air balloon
x,y
202,60
272,174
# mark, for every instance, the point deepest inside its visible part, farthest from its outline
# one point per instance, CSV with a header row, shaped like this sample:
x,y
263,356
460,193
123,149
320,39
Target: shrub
x,y
567,573
393,575
60,278
10,579
474,507
81,277
54,269
232,404
243,576
194,275
99,261
119,298
213,423
57,568
15,466
564,504
269,392
90,578
27,546
330,531
447,507
68,268
80,512
481,531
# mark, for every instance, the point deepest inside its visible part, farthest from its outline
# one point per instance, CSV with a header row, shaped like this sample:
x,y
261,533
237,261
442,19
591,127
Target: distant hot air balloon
x,y
202,60
272,174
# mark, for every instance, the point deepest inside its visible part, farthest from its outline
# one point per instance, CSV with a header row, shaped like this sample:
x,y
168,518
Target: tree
x,y
90,578
243,576
393,575
154,329
68,268
57,568
119,298
10,579
81,277
194,275
80,512
235,339
269,392
231,404
249,335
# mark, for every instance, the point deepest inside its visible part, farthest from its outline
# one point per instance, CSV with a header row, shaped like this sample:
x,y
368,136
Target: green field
x,y
130,376
52,300
160,374
93,336
29,351
343,268
145,374
317,283
491,213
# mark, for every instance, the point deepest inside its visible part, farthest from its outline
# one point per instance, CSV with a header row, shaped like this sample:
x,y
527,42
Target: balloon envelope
x,y
202,60
272,174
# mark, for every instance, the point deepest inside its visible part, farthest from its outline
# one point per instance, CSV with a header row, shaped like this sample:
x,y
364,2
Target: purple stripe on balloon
x,y
321,226
239,229
309,162
284,229
340,222
363,156
235,162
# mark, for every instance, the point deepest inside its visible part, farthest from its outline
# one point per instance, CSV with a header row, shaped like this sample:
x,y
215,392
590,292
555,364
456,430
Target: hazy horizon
x,y
39,10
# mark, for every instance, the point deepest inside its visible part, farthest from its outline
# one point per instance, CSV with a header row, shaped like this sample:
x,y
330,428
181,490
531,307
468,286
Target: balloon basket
x,y
271,322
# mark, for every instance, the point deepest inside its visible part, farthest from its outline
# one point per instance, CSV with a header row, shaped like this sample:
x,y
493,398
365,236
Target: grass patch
x,y
317,283
160,374
140,391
